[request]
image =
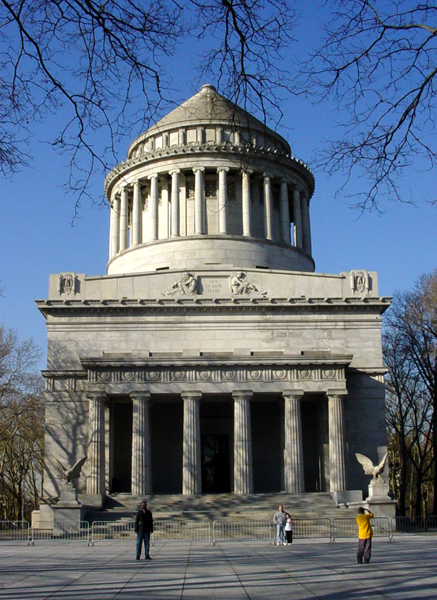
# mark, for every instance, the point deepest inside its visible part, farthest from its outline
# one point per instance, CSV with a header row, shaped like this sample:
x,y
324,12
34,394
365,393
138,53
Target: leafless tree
x,y
412,359
21,424
378,62
103,68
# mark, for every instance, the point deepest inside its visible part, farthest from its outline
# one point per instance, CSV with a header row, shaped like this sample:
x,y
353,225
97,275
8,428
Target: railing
x,y
348,528
304,529
14,531
414,525
66,531
106,530
213,532
193,531
242,530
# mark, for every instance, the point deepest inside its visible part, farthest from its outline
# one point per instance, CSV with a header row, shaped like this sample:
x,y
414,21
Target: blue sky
x,y
36,237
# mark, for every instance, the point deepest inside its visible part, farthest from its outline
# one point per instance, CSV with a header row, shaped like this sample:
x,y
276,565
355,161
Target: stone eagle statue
x,y
69,474
369,467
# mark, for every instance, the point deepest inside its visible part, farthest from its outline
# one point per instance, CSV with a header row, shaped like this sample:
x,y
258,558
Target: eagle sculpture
x,y
69,474
369,467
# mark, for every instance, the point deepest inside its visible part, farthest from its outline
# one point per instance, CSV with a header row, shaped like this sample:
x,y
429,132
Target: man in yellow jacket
x,y
365,534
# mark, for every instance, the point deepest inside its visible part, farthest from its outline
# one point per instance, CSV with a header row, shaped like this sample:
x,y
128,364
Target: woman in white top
x,y
289,529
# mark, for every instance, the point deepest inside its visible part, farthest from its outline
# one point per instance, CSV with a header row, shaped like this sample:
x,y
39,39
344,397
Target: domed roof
x,y
210,107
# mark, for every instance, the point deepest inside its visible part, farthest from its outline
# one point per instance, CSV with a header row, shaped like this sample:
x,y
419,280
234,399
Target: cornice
x,y
243,151
200,304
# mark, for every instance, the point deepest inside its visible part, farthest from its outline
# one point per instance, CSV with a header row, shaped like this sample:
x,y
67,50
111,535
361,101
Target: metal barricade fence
x,y
414,525
14,531
304,529
242,530
174,530
117,530
65,530
348,528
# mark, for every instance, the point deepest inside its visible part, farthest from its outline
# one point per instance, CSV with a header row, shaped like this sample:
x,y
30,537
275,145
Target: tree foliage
x,y
410,352
378,62
21,425
104,68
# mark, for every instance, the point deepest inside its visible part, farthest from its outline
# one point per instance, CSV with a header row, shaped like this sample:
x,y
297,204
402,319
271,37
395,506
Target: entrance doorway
x,y
121,447
215,464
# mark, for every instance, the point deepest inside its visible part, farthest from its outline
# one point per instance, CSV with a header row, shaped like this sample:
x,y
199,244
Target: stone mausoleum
x,y
211,357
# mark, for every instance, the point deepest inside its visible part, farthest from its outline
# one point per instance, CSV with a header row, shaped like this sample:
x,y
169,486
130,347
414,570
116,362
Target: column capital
x,y
242,394
268,175
97,396
246,171
196,169
188,394
336,393
174,172
223,169
152,176
138,396
293,393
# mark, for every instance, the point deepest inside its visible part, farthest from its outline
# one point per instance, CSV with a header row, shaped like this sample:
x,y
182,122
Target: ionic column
x,y
222,199
95,483
293,451
337,464
175,228
285,213
198,200
141,460
245,175
243,470
123,219
153,208
297,217
268,206
306,227
136,215
191,474
114,227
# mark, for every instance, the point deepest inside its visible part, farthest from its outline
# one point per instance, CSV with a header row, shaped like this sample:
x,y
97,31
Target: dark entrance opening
x,y
312,414
266,445
121,447
215,464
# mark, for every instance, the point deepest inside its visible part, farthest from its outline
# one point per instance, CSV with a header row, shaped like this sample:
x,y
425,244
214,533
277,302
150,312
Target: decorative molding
x,y
68,284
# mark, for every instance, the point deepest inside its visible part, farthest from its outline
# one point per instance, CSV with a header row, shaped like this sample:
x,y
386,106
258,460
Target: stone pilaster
x,y
223,199
96,445
285,213
153,208
243,469
293,451
268,206
191,475
123,219
247,229
136,215
297,217
199,200
337,461
141,460
175,228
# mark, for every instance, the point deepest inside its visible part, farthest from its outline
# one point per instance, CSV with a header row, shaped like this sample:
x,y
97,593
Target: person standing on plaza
x,y
143,529
289,529
365,534
280,520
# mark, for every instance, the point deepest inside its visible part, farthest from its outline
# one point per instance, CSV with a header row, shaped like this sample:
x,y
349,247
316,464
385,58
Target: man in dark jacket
x,y
143,529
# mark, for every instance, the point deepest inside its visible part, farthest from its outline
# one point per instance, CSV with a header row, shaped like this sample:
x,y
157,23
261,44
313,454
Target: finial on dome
x,y
208,86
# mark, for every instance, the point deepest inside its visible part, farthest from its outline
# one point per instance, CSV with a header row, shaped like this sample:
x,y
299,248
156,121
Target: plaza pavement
x,y
403,569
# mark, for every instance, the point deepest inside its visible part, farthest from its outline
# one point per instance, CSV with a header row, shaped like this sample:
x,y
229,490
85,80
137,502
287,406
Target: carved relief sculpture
x,y
240,285
187,286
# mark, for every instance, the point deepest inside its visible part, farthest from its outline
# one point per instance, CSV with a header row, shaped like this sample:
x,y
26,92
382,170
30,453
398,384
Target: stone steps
x,y
220,506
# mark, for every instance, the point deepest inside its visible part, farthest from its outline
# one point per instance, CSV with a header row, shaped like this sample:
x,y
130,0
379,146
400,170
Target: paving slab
x,y
404,569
